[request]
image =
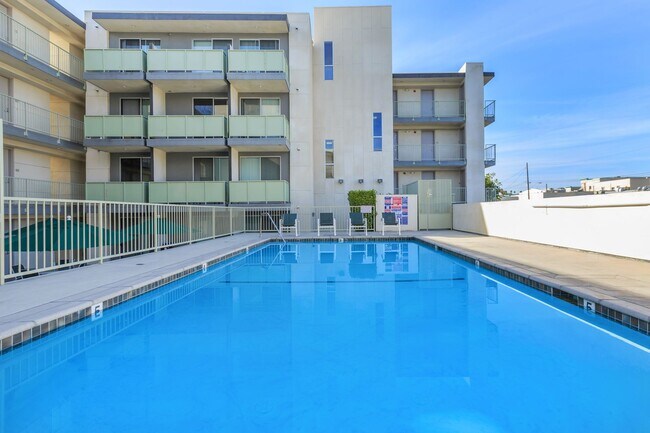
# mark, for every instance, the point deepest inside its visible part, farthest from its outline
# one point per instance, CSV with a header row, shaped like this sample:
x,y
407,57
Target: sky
x,y
572,77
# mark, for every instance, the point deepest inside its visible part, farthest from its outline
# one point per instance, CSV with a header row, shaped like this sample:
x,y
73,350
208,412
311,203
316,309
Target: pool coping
x,y
623,312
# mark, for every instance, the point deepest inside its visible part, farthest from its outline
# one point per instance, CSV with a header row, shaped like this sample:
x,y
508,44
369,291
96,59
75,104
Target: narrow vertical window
x,y
329,159
329,61
376,132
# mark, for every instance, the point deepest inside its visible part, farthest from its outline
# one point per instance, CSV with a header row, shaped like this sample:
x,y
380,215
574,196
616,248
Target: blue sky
x,y
572,76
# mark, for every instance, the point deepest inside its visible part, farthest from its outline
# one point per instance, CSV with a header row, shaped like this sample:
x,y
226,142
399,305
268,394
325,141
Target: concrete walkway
x,y
32,301
613,280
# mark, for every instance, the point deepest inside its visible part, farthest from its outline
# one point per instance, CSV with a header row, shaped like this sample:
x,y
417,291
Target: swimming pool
x,y
329,337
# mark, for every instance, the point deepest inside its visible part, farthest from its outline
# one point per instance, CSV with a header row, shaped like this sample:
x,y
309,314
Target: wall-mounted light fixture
x,y
360,181
340,180
380,180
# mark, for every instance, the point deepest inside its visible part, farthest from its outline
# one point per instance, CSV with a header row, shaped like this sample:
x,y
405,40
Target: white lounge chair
x,y
389,219
357,221
326,221
290,222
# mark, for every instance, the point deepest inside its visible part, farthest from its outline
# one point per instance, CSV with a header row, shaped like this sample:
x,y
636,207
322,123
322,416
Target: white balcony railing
x,y
34,45
36,119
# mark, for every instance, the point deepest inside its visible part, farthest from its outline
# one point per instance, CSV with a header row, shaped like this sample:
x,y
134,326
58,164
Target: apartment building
x,y
439,121
256,109
42,95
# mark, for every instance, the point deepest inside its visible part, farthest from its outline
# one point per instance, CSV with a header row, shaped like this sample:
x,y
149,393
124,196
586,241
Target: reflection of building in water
x,y
441,324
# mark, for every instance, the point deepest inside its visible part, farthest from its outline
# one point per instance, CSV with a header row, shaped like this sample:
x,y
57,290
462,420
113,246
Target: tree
x,y
493,184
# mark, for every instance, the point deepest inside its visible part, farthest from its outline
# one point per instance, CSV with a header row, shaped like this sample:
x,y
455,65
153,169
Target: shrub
x,y
364,197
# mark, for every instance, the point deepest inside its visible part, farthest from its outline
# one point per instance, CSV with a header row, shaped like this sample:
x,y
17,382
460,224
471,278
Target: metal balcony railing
x,y
490,155
36,119
33,188
432,109
434,153
34,45
489,111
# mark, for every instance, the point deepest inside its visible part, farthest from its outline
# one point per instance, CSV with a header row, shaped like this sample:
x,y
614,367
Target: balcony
x,y
489,112
434,113
187,70
33,188
115,133
25,49
131,192
259,133
490,155
427,156
116,70
187,133
258,191
28,122
258,71
187,192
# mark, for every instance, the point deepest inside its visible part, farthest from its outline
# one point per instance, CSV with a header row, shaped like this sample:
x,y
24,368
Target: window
x,y
260,106
140,44
259,44
329,159
259,168
329,60
202,44
135,106
212,44
207,169
210,106
135,169
376,132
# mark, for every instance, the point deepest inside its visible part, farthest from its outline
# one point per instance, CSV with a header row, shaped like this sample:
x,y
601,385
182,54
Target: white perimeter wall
x,y
617,224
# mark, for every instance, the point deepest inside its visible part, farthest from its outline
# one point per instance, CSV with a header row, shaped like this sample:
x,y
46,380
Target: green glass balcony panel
x,y
187,192
106,60
258,126
115,126
185,60
258,191
132,192
186,126
257,61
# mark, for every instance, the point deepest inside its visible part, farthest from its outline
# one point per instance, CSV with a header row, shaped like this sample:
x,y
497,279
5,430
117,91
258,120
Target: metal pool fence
x,y
43,235
46,234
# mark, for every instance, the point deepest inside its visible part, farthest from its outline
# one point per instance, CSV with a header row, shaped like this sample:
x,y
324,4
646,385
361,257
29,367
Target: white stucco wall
x,y
344,106
474,132
301,177
613,224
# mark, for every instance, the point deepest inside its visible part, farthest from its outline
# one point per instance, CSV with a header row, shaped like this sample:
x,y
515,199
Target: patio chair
x,y
290,222
326,221
389,219
357,221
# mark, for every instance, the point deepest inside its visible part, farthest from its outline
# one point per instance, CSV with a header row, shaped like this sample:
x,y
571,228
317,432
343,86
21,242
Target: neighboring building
x,y
617,183
253,109
42,99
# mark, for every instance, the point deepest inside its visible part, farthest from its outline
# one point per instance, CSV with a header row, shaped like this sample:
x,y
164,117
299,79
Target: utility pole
x,y
527,182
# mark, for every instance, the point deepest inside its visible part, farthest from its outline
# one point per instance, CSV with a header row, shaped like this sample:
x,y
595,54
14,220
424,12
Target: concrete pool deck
x,y
35,306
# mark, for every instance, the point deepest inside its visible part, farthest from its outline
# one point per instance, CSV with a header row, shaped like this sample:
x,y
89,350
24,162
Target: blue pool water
x,y
375,337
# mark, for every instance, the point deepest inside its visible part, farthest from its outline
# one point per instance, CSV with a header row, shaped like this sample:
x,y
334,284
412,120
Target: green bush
x,y
363,197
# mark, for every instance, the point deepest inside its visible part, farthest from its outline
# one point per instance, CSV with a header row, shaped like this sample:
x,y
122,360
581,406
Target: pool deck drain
x,y
618,288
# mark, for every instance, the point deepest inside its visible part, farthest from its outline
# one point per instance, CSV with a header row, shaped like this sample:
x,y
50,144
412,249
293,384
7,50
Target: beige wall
x,y
613,224
343,107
